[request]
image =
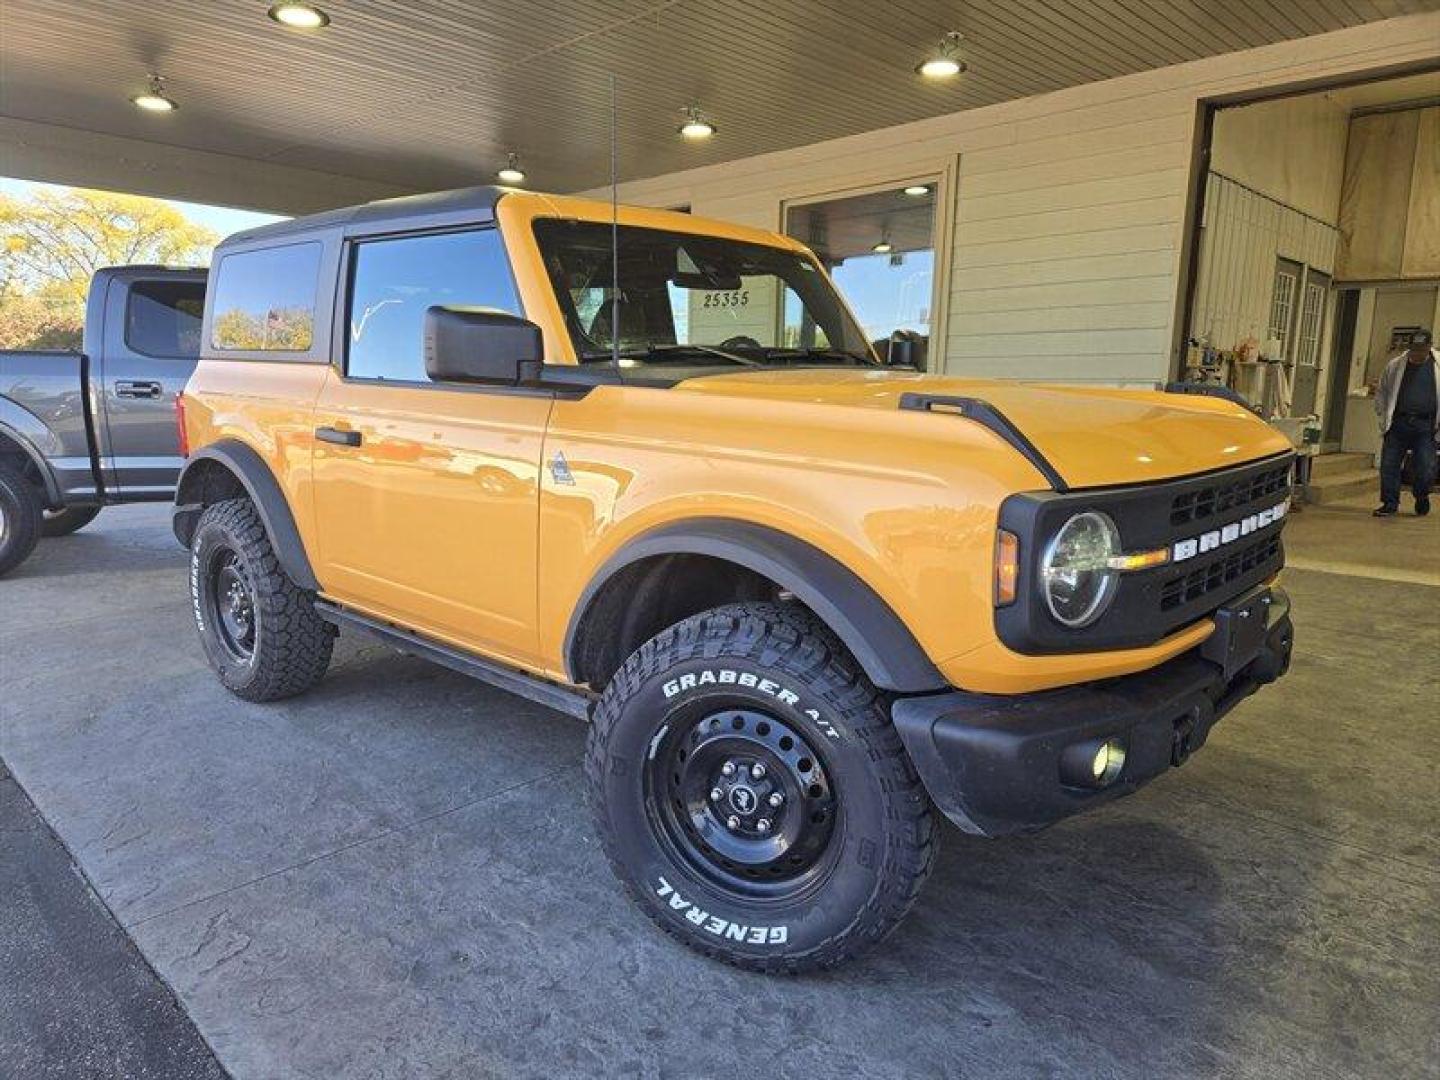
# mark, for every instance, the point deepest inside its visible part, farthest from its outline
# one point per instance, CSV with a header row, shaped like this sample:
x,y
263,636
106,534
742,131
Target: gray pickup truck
x,y
79,431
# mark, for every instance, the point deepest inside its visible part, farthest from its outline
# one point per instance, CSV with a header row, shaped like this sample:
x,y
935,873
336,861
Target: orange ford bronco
x,y
803,599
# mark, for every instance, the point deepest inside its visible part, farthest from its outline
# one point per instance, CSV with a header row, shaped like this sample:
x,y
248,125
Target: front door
x,y
426,495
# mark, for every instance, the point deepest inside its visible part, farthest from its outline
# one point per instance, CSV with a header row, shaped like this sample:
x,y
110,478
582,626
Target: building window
x,y
265,299
1282,304
1312,318
393,283
880,249
162,318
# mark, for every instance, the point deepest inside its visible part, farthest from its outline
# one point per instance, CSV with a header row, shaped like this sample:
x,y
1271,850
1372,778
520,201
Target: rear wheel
x,y
260,630
67,520
20,512
752,794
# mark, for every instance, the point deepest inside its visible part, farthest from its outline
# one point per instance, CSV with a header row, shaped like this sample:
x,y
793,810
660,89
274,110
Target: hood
x,y
1093,436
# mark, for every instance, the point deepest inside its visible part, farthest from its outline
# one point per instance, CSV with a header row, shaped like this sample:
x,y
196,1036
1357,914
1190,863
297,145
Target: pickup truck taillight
x,y
180,424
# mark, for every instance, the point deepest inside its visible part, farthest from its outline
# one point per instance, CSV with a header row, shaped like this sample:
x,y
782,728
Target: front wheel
x,y
260,630
752,794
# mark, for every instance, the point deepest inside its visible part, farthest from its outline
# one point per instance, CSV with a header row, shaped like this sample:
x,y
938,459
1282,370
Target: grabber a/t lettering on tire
x,y
752,794
260,630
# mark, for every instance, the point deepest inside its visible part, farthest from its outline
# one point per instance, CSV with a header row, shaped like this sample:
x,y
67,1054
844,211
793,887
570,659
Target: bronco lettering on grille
x,y
1227,534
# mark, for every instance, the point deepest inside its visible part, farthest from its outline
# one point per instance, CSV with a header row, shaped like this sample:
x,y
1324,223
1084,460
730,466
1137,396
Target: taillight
x,y
180,424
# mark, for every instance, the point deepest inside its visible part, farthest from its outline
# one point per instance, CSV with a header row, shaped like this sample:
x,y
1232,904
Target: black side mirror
x,y
474,344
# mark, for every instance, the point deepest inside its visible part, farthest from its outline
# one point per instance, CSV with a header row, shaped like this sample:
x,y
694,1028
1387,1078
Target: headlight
x,y
1078,578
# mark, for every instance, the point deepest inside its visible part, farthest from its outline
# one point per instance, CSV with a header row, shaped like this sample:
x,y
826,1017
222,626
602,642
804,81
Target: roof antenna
x,y
614,229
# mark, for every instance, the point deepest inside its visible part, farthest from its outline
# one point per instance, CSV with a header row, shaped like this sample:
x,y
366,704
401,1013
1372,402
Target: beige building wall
x,y
1067,213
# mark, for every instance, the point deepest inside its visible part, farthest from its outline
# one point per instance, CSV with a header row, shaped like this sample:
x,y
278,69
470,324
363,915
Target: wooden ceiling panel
x,y
433,93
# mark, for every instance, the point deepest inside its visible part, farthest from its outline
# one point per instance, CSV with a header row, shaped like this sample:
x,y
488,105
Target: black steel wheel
x,y
231,596
745,800
752,795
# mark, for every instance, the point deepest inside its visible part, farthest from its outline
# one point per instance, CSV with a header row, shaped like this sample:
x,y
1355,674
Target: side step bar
x,y
576,703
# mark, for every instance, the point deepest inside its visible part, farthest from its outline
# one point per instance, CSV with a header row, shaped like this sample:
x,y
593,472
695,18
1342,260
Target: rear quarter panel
x,y
42,406
268,406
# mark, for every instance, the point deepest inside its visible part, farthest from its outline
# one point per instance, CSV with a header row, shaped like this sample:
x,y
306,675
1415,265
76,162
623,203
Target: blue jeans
x,y
1413,435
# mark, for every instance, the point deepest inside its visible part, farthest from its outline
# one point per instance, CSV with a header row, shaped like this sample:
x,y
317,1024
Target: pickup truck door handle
x,y
338,437
145,388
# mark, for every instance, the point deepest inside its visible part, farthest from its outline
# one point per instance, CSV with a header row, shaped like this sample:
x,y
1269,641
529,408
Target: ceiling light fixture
x,y
511,173
884,247
944,62
299,16
154,100
695,125
917,190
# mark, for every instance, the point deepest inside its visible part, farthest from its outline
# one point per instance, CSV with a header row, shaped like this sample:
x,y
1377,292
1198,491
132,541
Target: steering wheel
x,y
740,341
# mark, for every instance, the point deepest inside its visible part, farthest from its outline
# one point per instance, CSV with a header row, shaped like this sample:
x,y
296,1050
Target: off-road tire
x,y
67,520
884,837
20,511
291,644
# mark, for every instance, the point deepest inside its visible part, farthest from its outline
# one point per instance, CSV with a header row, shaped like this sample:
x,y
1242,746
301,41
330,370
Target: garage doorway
x,y
1315,245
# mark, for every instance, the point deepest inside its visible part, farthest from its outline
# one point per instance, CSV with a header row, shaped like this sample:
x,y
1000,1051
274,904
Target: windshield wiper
x,y
650,352
820,352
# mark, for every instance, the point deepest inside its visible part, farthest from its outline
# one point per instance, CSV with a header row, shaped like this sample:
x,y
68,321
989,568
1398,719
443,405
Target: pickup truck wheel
x,y
70,519
260,630
752,795
20,512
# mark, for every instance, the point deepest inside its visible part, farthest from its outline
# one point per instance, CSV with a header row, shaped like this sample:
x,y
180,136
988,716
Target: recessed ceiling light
x,y
299,16
917,190
695,125
154,99
511,173
944,62
884,247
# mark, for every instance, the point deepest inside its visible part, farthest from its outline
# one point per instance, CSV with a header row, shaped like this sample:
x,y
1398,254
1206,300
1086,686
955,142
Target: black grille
x,y
1216,574
1151,604
1206,502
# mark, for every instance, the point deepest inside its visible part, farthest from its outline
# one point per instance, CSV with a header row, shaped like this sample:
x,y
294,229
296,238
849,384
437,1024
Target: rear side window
x,y
162,318
265,299
393,282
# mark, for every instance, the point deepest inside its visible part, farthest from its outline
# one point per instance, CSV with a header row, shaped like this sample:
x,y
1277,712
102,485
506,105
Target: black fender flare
x,y
873,633
260,485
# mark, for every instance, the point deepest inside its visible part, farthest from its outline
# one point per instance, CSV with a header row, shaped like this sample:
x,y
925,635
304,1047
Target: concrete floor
x,y
76,998
396,876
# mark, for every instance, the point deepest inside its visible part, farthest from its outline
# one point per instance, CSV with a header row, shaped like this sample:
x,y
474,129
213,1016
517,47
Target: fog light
x,y
1105,766
1093,763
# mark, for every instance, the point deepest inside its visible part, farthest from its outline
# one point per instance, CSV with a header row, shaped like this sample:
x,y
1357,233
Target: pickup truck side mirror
x,y
474,344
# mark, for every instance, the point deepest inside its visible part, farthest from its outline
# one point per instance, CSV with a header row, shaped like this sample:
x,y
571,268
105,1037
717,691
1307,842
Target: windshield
x,y
695,300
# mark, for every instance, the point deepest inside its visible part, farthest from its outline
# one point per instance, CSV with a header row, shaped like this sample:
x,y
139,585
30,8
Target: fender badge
x,y
560,469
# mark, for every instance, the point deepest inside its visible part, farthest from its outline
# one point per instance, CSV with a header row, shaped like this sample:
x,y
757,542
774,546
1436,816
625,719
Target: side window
x,y
265,299
394,281
162,318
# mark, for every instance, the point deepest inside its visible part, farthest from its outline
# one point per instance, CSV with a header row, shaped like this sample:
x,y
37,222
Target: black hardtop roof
x,y
405,211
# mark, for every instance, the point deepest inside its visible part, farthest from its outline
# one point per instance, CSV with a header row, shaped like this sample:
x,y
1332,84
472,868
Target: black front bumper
x,y
1000,764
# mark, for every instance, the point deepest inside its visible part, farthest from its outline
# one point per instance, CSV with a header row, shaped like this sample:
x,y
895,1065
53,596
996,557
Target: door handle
x,y
144,388
338,437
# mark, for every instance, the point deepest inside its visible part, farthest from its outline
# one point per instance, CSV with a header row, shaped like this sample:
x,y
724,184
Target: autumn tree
x,y
52,242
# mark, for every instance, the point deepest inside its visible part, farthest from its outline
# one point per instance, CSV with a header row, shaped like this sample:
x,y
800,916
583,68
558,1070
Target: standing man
x,y
1406,403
